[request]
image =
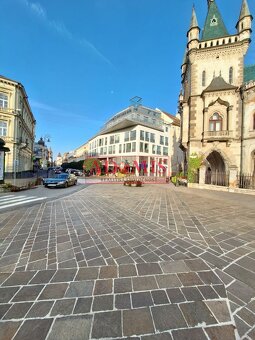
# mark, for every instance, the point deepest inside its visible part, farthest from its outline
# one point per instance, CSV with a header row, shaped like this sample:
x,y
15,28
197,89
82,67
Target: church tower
x,y
211,102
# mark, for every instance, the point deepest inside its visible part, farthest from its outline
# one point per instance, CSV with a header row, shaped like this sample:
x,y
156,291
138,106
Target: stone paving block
x,y
122,285
192,294
62,307
141,299
7,293
80,288
3,277
103,287
83,305
122,301
242,326
71,327
175,295
208,292
40,309
19,278
174,267
108,272
102,303
208,277
144,283
28,293
220,289
107,325
247,316
167,317
117,252
196,313
8,329
63,275
4,308
221,332
132,327
220,310
168,281
53,291
127,270
190,334
190,279
159,297
241,291
161,336
148,269
18,310
87,274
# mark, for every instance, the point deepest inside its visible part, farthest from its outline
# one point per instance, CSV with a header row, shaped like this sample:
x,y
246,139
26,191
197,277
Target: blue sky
x,y
82,60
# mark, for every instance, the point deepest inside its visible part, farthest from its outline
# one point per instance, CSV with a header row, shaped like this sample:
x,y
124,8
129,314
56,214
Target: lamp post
x,y
3,150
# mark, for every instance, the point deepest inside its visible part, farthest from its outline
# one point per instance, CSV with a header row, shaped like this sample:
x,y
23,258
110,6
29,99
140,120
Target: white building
x,y
141,139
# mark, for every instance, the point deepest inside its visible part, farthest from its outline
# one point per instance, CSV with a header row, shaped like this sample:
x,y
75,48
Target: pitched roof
x,y
214,26
193,22
219,84
249,73
176,121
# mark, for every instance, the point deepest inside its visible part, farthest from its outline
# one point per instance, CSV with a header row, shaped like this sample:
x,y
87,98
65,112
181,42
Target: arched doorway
x,y
216,173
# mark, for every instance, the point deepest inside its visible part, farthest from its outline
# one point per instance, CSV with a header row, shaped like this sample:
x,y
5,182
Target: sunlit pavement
x,y
110,261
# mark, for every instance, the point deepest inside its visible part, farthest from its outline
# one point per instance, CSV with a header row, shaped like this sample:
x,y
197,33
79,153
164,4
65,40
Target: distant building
x,y
42,155
17,125
217,102
141,137
59,160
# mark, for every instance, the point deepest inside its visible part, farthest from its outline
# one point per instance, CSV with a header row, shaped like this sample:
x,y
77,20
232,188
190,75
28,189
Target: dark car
x,y
76,172
60,180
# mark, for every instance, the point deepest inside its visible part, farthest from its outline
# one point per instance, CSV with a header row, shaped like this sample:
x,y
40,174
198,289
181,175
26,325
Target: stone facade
x,y
217,103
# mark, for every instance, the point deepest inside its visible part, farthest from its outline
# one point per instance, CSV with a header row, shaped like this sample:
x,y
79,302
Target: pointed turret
x,y
193,32
243,25
214,26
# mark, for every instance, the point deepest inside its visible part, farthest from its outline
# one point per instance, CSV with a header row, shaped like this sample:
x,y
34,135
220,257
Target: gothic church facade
x,y
217,101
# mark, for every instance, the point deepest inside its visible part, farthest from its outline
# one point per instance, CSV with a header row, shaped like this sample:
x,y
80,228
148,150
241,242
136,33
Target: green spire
x,y
193,22
214,26
245,12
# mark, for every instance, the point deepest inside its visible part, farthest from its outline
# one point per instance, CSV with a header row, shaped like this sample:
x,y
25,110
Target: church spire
x,y
214,26
245,12
193,22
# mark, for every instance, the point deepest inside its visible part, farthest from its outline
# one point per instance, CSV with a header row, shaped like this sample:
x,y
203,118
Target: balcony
x,y
223,135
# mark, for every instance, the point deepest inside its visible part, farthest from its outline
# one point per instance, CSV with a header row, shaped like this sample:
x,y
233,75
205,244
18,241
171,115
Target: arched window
x,y
231,75
203,78
215,122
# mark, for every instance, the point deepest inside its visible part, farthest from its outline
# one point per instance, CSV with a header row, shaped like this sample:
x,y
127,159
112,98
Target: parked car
x,y
76,172
60,180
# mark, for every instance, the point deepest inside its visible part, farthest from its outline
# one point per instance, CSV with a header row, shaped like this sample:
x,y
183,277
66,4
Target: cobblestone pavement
x,y
156,262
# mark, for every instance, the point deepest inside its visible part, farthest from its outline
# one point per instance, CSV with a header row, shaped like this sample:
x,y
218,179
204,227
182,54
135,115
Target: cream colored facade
x,y
217,102
17,126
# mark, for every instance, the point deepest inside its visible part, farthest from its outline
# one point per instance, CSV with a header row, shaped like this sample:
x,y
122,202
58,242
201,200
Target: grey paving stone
x,y
141,299
174,267
40,309
87,274
196,313
192,294
190,334
168,281
132,327
221,332
122,285
148,268
208,277
175,295
220,289
63,275
53,291
80,288
208,292
107,325
8,329
167,317
103,287
127,270
102,303
62,307
4,308
108,272
159,297
83,305
122,301
241,291
7,293
117,252
19,278
161,336
18,311
242,326
71,327
220,310
144,283
247,316
190,279
28,293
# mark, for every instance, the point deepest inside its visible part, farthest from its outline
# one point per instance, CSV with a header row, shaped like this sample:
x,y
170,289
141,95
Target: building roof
x,y
245,12
249,73
214,26
176,121
219,84
193,22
